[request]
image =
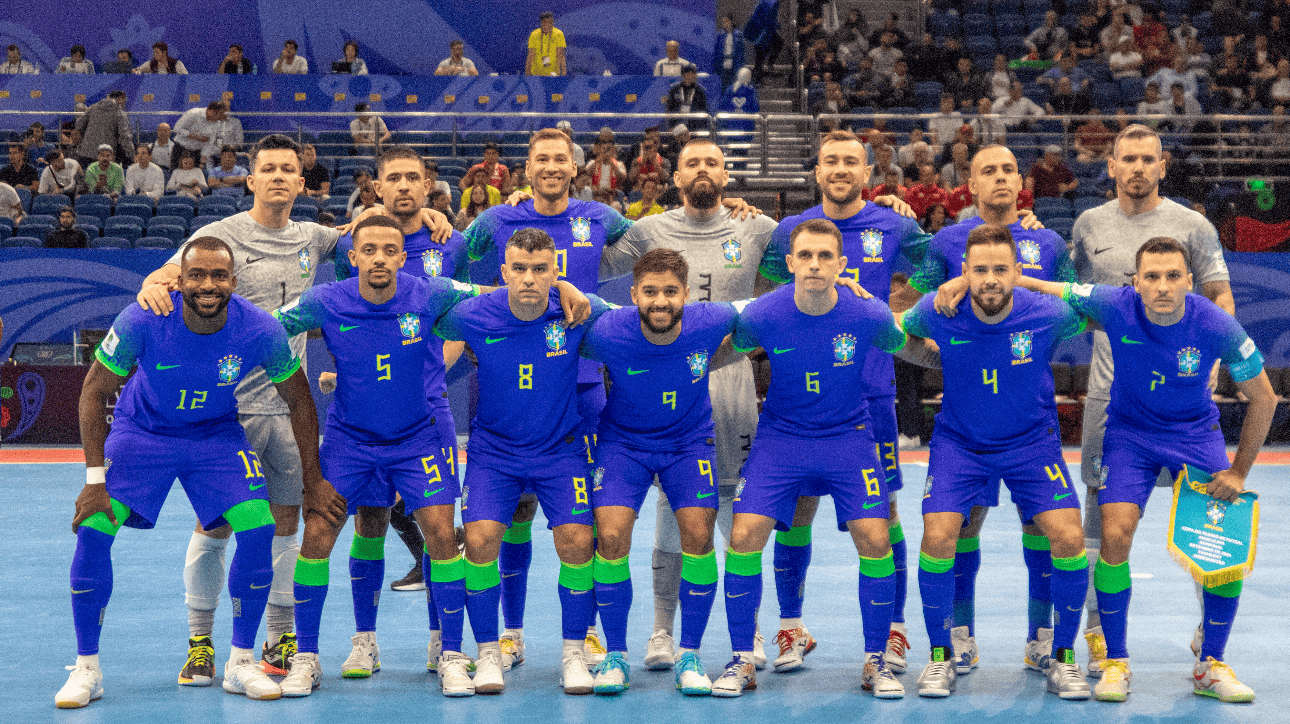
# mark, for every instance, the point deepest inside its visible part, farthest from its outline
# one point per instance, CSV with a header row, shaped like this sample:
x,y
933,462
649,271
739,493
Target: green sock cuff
x,y
518,533
967,545
608,572
479,576
896,533
367,549
797,536
1072,563
312,571
1111,579
932,564
248,515
743,564
700,570
1227,590
101,522
1035,542
577,576
453,569
878,567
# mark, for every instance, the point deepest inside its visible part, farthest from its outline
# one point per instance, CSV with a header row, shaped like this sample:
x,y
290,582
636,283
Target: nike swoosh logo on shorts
x,y
1061,496
701,496
255,487
430,493
575,511
870,505
493,340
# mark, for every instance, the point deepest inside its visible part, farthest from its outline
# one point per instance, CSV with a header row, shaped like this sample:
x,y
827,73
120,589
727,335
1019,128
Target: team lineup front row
x,y
992,331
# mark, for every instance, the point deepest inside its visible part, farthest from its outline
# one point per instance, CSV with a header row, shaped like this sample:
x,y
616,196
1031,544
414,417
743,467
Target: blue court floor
x,y
144,639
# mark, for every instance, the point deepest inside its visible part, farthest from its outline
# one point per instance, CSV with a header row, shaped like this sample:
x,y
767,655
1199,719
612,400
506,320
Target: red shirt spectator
x,y
1025,199
495,173
957,200
1153,41
1049,176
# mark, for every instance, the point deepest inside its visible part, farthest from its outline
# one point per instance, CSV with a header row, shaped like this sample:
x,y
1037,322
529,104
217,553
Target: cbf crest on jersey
x,y
1022,344
732,250
1029,251
432,262
1188,361
410,327
871,239
305,262
698,362
229,369
581,228
555,340
844,349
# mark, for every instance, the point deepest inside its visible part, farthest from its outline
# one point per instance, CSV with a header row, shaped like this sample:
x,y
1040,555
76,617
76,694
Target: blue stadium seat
x,y
308,201
19,241
337,205
1052,205
167,220
122,226
1005,7
177,234
102,211
24,195
1132,90
180,206
39,219
6,231
109,242
1009,25
204,220
334,143
1086,203
978,24
91,230
156,242
1062,225
133,209
981,45
304,211
942,25
245,203
86,200
216,206
91,219
1105,96
1013,46
50,204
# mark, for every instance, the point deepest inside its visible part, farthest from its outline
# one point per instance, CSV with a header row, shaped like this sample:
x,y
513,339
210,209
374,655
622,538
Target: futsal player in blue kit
x,y
525,436
177,417
814,427
873,240
997,421
1164,340
995,181
657,421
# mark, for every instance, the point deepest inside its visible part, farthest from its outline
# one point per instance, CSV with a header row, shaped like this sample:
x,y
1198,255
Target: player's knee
x,y
940,542
286,519
613,543
573,543
1066,541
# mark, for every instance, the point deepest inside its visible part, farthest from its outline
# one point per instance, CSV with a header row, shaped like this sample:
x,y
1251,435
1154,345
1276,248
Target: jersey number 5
x,y
383,366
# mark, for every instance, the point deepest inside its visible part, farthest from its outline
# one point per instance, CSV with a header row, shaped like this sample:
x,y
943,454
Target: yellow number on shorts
x,y
1055,473
890,455
450,454
812,384
252,463
589,443
991,379
198,399
580,490
871,484
669,398
431,470
526,377
383,367
705,470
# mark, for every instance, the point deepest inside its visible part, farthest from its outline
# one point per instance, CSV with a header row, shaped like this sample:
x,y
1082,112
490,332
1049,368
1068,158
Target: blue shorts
x,y
782,467
495,481
623,476
217,472
1036,476
368,475
1132,459
591,400
882,423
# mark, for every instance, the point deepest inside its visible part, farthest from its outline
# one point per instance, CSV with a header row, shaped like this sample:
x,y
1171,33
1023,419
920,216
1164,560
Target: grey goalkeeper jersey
x,y
1104,247
273,267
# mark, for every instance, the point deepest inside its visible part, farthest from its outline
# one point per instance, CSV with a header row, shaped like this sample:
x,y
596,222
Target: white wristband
x,y
96,476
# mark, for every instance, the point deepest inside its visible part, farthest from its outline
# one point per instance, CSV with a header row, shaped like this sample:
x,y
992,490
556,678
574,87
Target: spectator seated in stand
x,y
235,63
227,178
672,64
1152,103
650,187
105,176
35,144
925,194
987,126
19,173
317,178
289,62
1016,110
1093,139
456,63
477,196
1066,68
145,177
1050,176
75,62
1126,61
1153,41
1067,103
62,175
15,65
1177,73
1048,40
161,62
966,85
187,180
368,131
66,235
350,64
494,172
1085,40
432,176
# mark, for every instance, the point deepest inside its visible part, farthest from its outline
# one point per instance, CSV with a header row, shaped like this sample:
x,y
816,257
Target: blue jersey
x,y
998,378
1042,253
528,372
871,241
380,350
425,259
1161,382
658,394
817,376
185,382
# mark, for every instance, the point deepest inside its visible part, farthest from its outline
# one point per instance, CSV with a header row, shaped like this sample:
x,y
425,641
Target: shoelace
x,y
1115,670
201,655
786,639
939,668
1219,671
897,642
1096,646
456,666
593,643
1067,671
689,663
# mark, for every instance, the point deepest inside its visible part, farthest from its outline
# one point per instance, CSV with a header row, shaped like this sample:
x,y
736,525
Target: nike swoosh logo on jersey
x,y
1062,496
701,496
430,493
250,260
165,367
493,340
347,327
631,371
255,487
777,350
1124,339
575,511
960,341
1099,251
737,595
256,588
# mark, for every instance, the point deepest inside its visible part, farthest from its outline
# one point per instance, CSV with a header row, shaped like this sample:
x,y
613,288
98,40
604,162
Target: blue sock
x,y
311,580
1035,550
967,563
448,579
92,581
1070,588
697,593
513,564
792,558
483,591
576,603
877,592
900,557
613,590
366,575
249,576
743,597
936,585
1114,590
1220,611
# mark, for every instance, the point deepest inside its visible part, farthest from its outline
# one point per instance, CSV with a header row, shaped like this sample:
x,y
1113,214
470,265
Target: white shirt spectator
x,y
297,66
884,61
905,155
22,67
10,203
1164,105
356,67
878,176
1166,77
368,131
1110,39
670,67
1125,65
189,182
150,182
161,154
59,182
989,128
1014,112
465,67
194,121
1279,91
67,65
943,126
162,69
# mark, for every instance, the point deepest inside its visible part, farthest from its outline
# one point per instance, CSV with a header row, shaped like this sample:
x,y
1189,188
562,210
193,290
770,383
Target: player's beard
x,y
706,198
989,310
1148,190
675,319
382,284
190,301
846,200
